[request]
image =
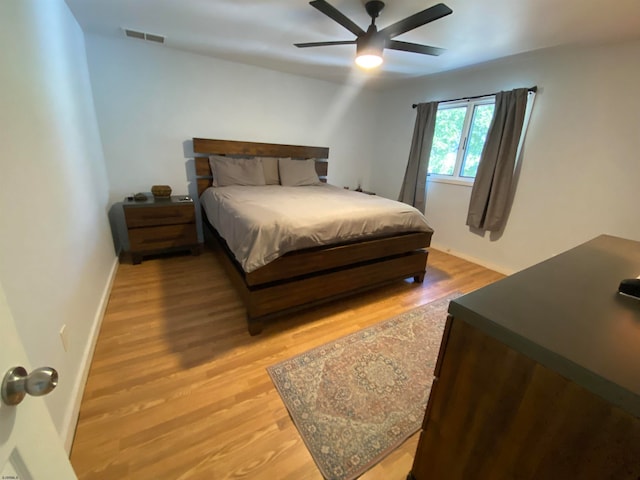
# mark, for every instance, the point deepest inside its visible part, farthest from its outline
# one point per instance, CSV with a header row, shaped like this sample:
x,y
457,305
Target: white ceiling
x,y
262,32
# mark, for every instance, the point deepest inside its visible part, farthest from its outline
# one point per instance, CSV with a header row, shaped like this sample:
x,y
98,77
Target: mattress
x,y
262,223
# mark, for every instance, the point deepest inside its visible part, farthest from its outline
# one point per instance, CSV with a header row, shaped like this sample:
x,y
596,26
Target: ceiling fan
x,y
370,44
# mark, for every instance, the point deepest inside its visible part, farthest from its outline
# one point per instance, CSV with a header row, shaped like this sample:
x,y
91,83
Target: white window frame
x,y
455,178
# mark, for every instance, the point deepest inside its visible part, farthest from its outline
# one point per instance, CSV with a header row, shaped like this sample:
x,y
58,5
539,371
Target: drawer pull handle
x,y
153,217
160,239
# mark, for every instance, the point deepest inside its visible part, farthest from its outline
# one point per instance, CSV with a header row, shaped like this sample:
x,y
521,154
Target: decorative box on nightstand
x,y
160,225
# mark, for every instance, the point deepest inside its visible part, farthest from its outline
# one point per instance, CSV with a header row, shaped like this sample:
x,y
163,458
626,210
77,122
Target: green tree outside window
x,y
451,157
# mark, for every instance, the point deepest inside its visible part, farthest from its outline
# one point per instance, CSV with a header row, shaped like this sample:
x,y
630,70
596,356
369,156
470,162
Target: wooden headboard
x,y
206,146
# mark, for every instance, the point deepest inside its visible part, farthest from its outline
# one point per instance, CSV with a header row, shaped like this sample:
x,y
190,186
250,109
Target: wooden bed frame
x,y
308,277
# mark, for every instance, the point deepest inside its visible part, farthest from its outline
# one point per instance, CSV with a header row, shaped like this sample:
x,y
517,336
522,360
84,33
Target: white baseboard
x,y
470,258
71,420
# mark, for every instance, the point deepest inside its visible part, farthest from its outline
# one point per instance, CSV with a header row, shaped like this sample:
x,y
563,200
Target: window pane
x,y
482,115
446,140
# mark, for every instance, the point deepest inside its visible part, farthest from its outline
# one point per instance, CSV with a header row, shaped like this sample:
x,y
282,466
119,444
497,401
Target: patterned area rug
x,y
358,398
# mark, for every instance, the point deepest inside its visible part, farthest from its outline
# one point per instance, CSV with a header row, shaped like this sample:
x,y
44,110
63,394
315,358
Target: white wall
x,y
151,100
580,171
56,253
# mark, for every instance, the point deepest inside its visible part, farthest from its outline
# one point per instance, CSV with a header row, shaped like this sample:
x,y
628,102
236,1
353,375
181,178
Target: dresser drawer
x,y
157,238
167,215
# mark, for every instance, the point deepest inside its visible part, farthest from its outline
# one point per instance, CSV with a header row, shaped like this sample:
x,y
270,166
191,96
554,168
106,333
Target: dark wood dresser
x,y
538,375
160,226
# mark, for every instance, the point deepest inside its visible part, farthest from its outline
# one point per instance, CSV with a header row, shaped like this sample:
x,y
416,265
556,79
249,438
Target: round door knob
x,y
17,383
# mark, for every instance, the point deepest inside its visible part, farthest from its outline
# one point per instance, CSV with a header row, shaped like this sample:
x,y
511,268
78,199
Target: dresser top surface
x,y
566,313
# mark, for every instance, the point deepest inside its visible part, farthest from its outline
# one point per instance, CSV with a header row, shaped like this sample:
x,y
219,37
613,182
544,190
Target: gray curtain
x,y
414,186
491,189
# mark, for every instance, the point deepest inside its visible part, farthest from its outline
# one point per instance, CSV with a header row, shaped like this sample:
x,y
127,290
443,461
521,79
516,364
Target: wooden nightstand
x,y
160,226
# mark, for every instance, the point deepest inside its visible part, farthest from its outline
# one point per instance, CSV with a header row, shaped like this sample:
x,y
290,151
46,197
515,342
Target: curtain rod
x,y
531,89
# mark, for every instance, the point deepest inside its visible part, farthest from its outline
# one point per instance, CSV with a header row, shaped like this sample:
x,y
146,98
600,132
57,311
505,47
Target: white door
x,y
30,447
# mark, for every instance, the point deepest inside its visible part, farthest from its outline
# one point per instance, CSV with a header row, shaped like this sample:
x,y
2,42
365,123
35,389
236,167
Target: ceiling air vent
x,y
143,36
154,38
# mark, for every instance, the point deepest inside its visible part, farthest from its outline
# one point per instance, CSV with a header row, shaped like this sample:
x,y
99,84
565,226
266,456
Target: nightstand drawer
x,y
169,215
168,236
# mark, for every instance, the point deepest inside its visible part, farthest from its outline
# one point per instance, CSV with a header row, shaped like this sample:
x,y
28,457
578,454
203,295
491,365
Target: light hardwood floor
x,y
179,390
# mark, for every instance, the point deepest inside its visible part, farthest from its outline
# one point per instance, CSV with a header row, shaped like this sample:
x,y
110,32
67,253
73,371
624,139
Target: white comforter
x,y
263,223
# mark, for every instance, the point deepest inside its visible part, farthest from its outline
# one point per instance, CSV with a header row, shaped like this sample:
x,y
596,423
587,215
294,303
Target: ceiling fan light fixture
x,y
369,49
369,60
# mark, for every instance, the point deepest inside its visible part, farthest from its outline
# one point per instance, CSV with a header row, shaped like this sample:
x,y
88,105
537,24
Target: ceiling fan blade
x,y
324,44
333,13
414,48
414,21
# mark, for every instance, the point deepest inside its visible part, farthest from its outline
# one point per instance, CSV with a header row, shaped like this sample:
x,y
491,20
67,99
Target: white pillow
x,y
270,166
236,171
295,173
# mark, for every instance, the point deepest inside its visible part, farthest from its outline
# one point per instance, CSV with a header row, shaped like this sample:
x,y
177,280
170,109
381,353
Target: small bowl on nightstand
x,y
161,191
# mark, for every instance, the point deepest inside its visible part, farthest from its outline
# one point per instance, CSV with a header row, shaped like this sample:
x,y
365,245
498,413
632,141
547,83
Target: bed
x,y
300,275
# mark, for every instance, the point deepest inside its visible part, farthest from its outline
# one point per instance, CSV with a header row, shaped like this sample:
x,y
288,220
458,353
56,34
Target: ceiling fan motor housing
x,y
370,43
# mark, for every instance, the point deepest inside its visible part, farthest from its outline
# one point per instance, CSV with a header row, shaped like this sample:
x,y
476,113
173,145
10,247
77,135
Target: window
x,y
460,132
